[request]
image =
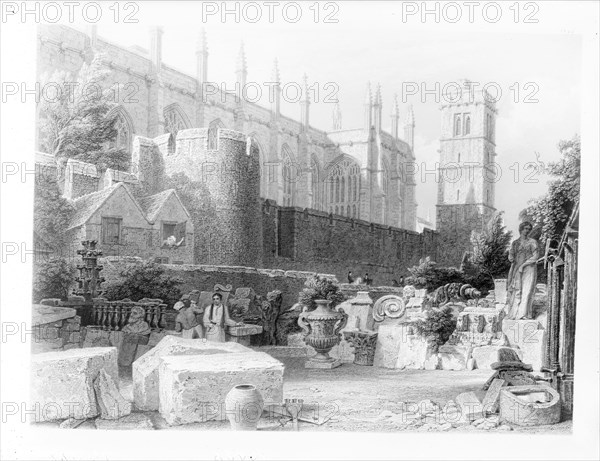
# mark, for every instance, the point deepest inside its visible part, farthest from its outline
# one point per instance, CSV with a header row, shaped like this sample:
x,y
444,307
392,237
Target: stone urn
x,y
321,330
244,406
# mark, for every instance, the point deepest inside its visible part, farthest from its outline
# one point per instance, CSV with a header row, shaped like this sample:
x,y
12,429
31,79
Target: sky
x,y
539,76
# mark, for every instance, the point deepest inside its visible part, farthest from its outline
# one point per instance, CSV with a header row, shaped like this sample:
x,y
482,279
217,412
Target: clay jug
x,y
244,406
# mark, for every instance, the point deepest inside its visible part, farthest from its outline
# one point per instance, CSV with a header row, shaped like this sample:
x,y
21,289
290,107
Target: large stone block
x,y
484,356
389,342
470,406
63,381
145,369
490,401
529,337
453,357
193,388
111,403
398,348
360,312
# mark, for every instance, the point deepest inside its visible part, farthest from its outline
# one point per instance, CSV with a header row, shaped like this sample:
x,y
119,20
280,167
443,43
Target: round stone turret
x,y
227,163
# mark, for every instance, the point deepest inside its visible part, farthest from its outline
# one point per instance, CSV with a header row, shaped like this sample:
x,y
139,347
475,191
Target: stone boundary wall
x,y
306,239
60,335
204,278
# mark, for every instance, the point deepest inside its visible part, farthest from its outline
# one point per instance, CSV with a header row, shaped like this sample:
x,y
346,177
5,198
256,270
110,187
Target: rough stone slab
x,y
470,406
519,331
43,314
156,337
396,348
453,357
414,354
62,381
39,346
500,290
193,388
389,342
111,403
134,421
490,401
145,369
283,351
484,356
432,362
96,337
245,330
361,308
71,423
529,337
318,365
533,350
511,365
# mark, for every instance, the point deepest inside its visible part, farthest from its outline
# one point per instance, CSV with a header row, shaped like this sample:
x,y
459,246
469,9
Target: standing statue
x,y
522,277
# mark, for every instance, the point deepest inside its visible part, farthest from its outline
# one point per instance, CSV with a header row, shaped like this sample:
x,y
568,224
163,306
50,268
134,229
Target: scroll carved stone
x,y
391,306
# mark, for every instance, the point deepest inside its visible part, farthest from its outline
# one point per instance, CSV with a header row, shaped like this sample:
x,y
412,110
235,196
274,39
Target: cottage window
x,y
173,234
111,231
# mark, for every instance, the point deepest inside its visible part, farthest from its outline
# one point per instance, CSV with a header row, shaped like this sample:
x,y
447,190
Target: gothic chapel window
x,y
315,185
173,123
344,183
289,180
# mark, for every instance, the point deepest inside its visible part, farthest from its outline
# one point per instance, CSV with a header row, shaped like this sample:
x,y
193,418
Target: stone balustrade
x,y
113,315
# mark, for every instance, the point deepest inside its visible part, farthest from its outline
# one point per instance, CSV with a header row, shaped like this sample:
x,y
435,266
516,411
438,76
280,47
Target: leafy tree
x,y
51,212
196,199
551,211
317,287
53,279
76,120
145,280
490,248
437,327
427,274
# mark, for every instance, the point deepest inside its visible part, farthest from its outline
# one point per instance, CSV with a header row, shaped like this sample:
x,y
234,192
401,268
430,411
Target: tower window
x,y
459,157
457,125
467,124
458,195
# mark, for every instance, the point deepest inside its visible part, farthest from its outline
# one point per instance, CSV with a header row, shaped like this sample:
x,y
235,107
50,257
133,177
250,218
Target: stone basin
x,y
533,405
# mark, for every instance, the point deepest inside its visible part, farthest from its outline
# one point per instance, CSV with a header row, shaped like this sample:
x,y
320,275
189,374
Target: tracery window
x,y
289,176
315,185
124,137
344,185
174,120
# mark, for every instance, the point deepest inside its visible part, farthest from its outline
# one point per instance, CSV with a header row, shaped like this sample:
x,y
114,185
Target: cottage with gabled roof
x,y
157,227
